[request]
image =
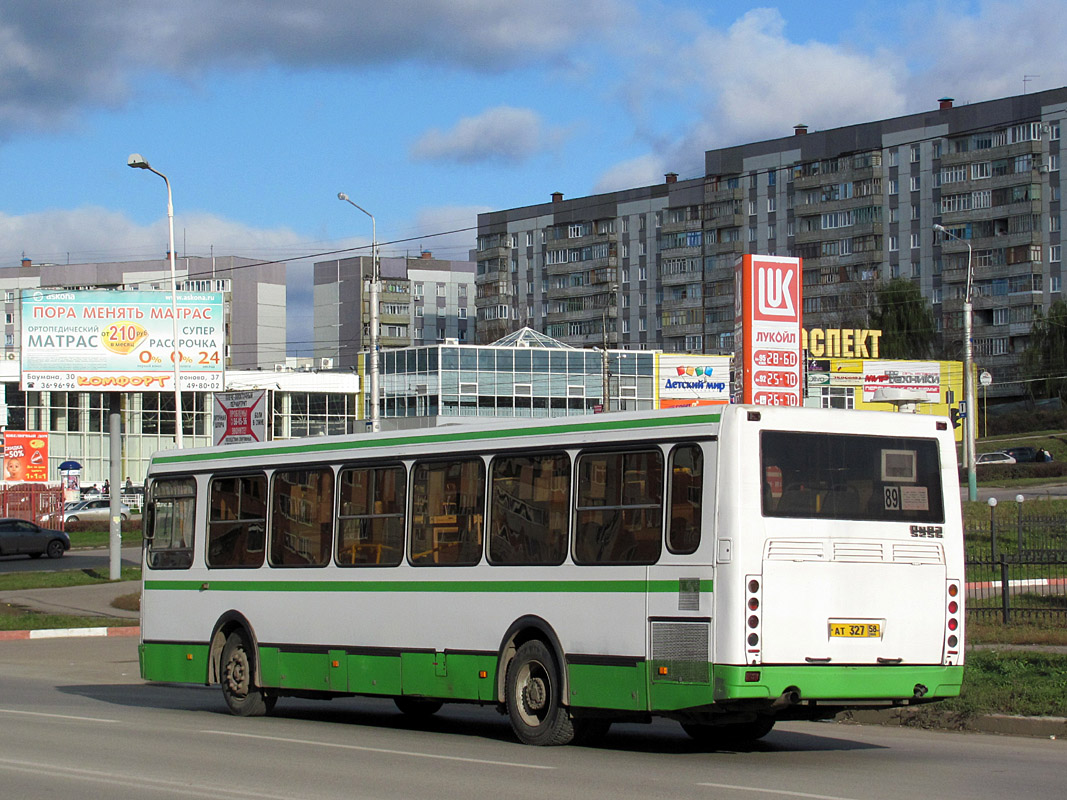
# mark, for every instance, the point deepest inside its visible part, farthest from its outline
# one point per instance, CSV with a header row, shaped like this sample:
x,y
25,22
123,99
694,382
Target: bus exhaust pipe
x,y
790,697
920,690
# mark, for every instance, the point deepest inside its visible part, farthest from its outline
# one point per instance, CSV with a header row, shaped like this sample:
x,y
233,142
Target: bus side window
x,y
172,511
620,508
686,488
529,509
371,516
447,498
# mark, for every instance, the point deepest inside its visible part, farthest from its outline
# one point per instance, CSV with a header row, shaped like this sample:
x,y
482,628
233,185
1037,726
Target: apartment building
x,y
652,267
420,300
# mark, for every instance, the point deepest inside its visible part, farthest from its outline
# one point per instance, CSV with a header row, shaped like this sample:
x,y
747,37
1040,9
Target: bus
x,y
727,568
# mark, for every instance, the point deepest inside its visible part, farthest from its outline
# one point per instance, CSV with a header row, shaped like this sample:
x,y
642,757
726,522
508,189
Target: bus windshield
x,y
839,476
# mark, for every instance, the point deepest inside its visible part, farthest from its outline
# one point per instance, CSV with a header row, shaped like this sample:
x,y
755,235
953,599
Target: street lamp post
x,y
968,368
605,376
374,281
137,161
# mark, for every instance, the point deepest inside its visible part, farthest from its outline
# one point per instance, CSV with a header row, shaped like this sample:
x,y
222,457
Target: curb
x,y
1043,727
64,633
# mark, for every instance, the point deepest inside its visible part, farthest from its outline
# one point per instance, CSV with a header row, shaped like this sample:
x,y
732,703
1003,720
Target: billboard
x,y
692,380
26,456
121,341
239,417
767,317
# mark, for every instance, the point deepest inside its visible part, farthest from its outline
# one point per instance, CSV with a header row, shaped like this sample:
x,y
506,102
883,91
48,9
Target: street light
x,y
137,161
375,279
968,368
605,375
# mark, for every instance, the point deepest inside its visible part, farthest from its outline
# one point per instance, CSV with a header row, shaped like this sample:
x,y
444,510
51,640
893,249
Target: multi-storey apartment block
x,y
653,267
420,300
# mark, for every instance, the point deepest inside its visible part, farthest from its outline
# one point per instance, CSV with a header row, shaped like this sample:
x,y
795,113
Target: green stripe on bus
x,y
516,586
354,443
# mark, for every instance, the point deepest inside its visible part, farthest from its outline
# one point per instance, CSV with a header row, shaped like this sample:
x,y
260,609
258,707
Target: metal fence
x,y
1017,570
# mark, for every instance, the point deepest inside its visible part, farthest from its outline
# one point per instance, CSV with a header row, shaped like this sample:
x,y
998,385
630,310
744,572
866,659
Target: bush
x,y
1003,472
81,526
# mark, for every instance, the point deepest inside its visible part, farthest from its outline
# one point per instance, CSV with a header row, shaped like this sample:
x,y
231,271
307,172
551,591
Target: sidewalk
x,y
83,601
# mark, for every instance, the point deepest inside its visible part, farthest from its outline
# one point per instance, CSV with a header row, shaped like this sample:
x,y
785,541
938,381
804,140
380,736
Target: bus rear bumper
x,y
838,685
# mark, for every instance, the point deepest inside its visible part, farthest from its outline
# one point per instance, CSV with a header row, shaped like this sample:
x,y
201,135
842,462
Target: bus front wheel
x,y
534,699
243,697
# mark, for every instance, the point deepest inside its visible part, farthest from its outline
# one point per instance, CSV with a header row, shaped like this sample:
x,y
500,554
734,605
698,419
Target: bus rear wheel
x,y
243,697
736,734
533,695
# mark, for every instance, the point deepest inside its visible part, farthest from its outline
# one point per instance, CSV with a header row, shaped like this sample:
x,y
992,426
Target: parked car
x,y
1022,454
21,536
93,510
994,458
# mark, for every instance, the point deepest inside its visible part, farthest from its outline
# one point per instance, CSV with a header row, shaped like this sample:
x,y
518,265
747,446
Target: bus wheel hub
x,y
534,694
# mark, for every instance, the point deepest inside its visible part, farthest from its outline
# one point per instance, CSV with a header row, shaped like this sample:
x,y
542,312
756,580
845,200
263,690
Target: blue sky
x,y
428,111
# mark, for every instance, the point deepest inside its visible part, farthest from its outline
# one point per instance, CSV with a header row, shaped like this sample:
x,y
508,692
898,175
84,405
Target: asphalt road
x,y
76,721
73,559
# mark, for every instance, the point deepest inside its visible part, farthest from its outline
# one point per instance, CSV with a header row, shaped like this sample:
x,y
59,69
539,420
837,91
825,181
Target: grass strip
x,y
17,581
16,619
1023,682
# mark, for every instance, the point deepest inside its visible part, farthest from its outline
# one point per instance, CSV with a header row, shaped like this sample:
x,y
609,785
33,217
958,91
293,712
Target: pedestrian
x,y
129,485
107,487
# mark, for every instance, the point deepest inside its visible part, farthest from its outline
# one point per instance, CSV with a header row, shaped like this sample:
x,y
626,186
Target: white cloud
x,y
92,234
757,83
641,171
59,57
984,56
498,134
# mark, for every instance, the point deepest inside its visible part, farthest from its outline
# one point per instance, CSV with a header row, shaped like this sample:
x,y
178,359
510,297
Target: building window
x,y
752,207
463,313
1053,223
1054,253
1054,162
772,204
915,183
894,243
915,152
980,170
915,241
892,157
418,290
894,186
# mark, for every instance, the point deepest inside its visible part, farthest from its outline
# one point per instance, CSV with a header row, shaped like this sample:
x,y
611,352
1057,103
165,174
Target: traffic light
x,y
954,415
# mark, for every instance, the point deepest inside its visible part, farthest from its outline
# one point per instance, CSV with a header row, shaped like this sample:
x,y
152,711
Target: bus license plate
x,y
856,630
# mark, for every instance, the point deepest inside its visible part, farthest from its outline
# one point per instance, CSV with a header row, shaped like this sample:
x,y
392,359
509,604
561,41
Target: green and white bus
x,y
726,568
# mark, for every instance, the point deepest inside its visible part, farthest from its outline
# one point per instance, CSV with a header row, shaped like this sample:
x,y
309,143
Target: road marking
x,y
140,781
775,791
55,716
411,753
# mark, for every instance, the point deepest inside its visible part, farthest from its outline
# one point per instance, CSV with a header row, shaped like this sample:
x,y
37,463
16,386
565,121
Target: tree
x,y
1045,357
905,319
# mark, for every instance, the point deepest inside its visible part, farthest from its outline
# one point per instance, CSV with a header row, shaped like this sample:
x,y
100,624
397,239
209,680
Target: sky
x,y
427,112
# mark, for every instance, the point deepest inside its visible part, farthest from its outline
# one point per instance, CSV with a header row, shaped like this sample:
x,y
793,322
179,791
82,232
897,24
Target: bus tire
x,y
735,734
417,706
243,697
533,695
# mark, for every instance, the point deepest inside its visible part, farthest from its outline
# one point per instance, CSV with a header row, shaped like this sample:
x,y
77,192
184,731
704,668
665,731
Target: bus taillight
x,y
952,624
754,621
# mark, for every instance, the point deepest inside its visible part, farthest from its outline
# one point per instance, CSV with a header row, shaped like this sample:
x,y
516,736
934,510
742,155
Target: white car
x,y
89,510
994,458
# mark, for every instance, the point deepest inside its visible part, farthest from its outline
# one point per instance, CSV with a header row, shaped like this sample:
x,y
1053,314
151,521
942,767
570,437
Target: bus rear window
x,y
839,476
